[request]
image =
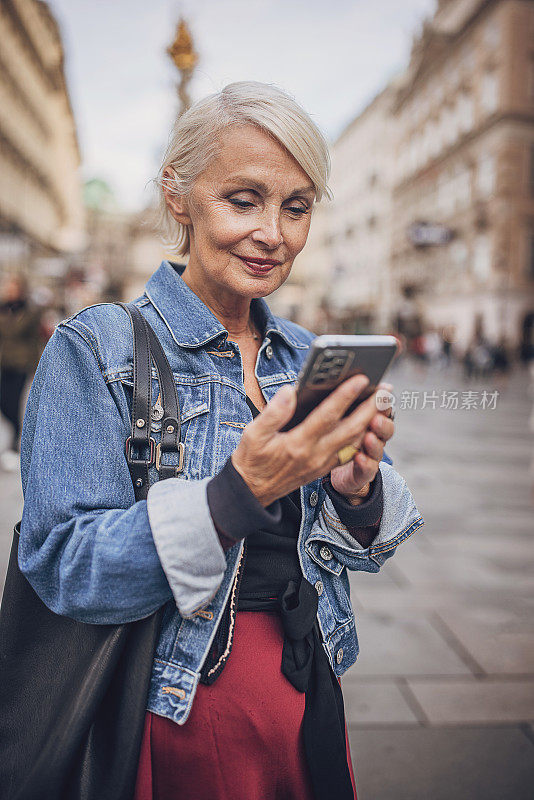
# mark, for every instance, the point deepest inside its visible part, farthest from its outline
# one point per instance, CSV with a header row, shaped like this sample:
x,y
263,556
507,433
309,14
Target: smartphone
x,y
333,359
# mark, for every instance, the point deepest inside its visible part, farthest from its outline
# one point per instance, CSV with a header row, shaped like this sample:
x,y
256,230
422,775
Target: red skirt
x,y
243,738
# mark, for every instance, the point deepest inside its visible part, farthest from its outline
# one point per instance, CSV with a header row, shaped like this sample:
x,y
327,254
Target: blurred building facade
x,y
41,209
433,210
463,203
342,277
123,249
304,295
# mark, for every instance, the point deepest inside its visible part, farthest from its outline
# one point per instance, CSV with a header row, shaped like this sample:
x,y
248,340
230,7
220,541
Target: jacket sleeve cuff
x,y
361,521
235,510
186,541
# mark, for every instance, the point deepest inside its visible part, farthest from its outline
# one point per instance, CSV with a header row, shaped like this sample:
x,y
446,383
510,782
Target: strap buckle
x,y
142,461
180,451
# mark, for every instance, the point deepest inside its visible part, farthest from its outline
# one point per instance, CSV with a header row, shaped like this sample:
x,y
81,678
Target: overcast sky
x,y
332,55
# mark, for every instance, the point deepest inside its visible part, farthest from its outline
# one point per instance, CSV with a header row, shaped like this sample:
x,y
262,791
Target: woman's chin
x,y
266,283
261,286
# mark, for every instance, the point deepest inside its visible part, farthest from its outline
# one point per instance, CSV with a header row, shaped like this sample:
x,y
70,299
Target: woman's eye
x,y
297,210
241,203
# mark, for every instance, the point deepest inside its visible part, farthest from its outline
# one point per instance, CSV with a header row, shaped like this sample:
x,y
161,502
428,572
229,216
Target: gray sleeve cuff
x,y
186,541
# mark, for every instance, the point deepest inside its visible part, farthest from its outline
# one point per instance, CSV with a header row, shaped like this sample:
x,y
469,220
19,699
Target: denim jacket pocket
x,y
194,399
194,402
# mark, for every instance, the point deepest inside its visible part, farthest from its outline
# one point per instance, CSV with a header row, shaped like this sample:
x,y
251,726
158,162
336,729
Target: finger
x,y
372,446
367,467
276,413
382,426
328,413
351,429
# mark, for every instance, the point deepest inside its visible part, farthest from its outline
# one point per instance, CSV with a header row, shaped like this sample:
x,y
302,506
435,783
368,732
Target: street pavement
x,y
440,703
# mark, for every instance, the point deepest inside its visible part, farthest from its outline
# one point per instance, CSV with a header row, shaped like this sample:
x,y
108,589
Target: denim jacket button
x,y
269,352
314,497
339,655
319,588
325,553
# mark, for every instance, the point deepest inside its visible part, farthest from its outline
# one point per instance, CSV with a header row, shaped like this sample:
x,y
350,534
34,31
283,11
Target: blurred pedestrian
x,y
501,356
433,348
20,343
478,359
448,335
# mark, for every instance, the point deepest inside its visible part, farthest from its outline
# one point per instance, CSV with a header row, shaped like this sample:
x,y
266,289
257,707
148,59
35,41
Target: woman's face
x,y
248,215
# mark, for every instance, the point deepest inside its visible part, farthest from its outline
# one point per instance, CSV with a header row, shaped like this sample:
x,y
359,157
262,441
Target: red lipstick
x,y
261,266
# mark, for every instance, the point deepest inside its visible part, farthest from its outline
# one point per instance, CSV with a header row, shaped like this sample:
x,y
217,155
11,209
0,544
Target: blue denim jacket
x,y
94,554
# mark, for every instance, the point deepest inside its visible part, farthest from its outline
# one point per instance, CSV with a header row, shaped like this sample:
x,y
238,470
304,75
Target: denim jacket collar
x,y
172,297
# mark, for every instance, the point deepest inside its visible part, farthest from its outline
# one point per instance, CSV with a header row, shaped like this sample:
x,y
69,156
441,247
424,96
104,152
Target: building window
x,y
432,139
492,35
445,193
459,253
465,112
463,188
489,91
448,123
482,257
485,179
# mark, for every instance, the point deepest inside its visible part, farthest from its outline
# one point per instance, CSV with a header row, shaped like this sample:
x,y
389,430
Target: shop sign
x,y
429,234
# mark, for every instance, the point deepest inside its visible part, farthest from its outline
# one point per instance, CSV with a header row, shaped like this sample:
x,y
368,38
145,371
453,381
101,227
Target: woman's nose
x,y
268,232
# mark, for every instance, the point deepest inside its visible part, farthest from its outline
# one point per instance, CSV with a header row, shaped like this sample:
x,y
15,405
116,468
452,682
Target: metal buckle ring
x,y
180,450
144,461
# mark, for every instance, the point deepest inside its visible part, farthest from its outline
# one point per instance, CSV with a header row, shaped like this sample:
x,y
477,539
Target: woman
x,y
248,547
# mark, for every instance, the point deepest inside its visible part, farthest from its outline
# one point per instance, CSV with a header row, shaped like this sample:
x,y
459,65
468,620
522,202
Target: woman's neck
x,y
232,311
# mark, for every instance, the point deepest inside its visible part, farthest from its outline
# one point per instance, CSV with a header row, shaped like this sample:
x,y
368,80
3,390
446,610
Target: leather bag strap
x,y
147,348
170,425
140,442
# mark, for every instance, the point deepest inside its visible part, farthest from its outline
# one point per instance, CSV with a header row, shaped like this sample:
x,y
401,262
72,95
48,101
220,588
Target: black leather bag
x,y
73,696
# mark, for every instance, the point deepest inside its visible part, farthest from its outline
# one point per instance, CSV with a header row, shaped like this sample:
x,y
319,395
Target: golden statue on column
x,y
185,60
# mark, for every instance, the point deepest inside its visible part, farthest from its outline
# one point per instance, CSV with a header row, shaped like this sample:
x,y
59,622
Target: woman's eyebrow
x,y
303,190
262,187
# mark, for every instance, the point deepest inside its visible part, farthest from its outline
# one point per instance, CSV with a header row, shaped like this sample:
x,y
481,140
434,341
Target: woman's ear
x,y
176,203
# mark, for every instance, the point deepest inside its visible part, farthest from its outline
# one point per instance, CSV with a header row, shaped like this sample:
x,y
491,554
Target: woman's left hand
x,y
352,479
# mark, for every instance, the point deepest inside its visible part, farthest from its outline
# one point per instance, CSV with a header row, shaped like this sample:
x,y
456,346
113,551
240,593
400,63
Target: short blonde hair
x,y
194,141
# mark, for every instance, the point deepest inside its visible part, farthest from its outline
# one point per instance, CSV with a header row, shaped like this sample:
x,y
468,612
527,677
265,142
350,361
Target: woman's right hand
x,y
274,463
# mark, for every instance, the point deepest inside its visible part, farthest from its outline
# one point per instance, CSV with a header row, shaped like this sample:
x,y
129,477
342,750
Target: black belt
x,y
305,665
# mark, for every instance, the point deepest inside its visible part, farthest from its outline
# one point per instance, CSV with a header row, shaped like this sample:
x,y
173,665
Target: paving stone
x,y
500,640
517,546
439,599
456,567
416,763
474,701
403,644
368,703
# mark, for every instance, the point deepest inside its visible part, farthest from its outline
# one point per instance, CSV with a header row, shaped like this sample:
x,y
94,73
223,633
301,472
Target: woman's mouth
x,y
259,266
